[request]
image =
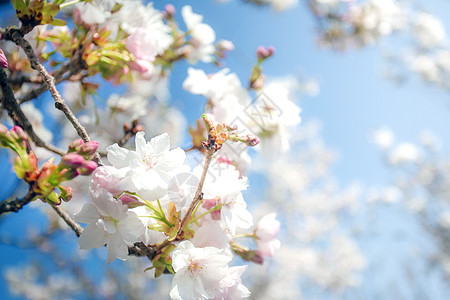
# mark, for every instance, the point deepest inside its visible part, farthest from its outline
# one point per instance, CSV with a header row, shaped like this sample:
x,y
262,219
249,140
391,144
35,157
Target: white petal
x,y
93,236
197,82
88,214
117,156
141,144
131,228
160,143
117,248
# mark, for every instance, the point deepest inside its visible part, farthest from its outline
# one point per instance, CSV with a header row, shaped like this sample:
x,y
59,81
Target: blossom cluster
x,y
140,198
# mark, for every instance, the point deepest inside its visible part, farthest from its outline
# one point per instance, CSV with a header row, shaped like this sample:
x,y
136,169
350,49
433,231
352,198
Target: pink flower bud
x,y
3,60
88,149
18,134
89,166
77,16
223,159
72,160
170,10
216,215
261,52
252,140
75,145
130,201
209,203
256,258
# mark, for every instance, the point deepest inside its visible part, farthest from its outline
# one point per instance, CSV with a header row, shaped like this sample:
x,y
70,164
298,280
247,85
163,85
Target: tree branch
x,y
68,219
197,198
16,114
16,204
14,34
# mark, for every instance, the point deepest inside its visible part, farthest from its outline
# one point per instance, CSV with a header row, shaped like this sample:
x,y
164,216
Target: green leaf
x,y
58,22
19,5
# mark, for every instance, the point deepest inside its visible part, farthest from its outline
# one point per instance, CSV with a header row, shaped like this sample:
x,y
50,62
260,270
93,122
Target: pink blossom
x,y
108,177
265,233
143,45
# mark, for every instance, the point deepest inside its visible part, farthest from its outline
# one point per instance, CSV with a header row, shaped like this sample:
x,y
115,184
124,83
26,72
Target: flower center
x,y
196,268
149,161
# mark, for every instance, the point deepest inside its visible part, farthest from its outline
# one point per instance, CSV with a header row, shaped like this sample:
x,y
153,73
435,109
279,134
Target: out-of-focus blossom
x,y
201,44
265,234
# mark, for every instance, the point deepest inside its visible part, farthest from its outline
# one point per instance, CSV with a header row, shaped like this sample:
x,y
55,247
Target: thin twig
x,y
16,204
16,114
197,198
34,93
14,34
68,219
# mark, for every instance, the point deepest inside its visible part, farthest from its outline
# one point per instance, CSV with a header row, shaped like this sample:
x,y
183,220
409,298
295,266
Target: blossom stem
x,y
252,235
217,207
69,3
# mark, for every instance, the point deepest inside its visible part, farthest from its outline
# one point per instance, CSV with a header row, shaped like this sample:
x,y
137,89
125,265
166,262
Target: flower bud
x,y
88,149
263,53
130,201
66,192
52,198
209,203
251,140
72,160
256,258
75,145
18,134
169,10
3,60
89,166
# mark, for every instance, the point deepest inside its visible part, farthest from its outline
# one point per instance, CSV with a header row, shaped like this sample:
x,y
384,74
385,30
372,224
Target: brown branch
x,y
16,114
43,87
197,198
68,219
130,132
19,79
16,204
14,34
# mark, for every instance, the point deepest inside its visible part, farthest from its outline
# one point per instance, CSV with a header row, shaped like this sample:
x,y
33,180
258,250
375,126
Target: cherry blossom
x,y
150,167
198,271
109,222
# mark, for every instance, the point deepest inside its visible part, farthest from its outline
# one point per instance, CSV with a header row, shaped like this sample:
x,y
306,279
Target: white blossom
x,y
150,167
109,222
198,271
